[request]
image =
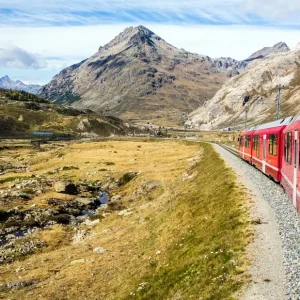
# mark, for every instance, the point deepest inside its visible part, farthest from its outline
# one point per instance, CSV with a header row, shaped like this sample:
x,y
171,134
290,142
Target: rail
x,y
230,149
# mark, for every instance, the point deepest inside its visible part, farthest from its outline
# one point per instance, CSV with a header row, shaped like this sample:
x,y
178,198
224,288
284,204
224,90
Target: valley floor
x,y
175,226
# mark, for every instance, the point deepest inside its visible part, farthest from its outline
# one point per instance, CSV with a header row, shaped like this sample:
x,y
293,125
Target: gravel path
x,y
275,253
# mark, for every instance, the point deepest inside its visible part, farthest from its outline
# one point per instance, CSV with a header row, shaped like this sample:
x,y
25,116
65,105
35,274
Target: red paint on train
x,y
274,149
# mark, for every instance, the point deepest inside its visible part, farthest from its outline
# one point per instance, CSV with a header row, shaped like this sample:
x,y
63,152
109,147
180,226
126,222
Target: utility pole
x,y
278,101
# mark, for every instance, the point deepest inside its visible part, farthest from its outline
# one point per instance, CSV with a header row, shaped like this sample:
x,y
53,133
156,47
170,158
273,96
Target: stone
x,y
125,212
65,187
116,198
22,195
90,223
85,201
77,261
99,250
60,186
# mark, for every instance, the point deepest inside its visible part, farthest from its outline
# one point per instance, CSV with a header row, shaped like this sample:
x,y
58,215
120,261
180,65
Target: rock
x,y
65,187
91,223
102,207
19,284
22,195
147,186
127,177
77,261
79,236
85,201
60,186
125,212
116,198
99,250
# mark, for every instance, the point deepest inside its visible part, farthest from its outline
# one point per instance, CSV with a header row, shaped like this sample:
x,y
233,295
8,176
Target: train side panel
x,y
290,170
266,151
245,145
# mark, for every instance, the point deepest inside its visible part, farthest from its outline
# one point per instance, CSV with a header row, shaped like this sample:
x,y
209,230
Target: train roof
x,y
277,123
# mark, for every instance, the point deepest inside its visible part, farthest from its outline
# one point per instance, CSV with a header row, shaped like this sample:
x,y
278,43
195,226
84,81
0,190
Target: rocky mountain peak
x,y
130,36
5,79
267,51
7,83
282,46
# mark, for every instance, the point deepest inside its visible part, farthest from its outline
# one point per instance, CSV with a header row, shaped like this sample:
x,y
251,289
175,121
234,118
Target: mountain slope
x,y
259,81
140,76
267,51
21,113
7,83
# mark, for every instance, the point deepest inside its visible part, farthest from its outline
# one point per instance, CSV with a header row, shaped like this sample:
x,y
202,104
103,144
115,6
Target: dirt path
x,y
265,253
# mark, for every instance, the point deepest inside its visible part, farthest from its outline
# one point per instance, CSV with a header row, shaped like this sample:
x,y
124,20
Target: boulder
x,y
116,198
65,187
99,250
85,201
22,195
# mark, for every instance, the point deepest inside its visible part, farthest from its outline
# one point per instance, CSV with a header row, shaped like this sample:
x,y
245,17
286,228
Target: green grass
x,y
10,179
206,258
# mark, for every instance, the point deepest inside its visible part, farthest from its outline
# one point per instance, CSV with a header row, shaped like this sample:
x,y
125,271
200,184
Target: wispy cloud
x,y
275,10
92,12
15,57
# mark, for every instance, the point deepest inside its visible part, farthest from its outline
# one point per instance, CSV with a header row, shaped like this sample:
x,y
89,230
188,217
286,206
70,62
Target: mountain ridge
x,y
7,83
139,76
260,81
139,70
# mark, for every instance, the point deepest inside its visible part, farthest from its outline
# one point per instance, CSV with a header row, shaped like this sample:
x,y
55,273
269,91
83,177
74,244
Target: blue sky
x,y
38,38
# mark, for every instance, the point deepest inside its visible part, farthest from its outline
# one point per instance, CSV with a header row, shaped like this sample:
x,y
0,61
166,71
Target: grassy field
x,y
185,239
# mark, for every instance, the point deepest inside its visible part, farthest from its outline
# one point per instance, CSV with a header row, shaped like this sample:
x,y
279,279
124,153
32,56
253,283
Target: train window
x,y
241,141
256,145
288,147
247,141
273,144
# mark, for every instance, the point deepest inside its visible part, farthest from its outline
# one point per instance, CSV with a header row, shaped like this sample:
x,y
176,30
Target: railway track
x,y
229,149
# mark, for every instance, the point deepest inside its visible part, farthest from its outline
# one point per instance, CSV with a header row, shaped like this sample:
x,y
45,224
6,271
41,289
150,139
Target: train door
x,y
264,153
244,140
296,166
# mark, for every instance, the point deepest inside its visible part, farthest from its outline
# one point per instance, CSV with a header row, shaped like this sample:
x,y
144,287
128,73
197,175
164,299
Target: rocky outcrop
x,y
259,81
267,51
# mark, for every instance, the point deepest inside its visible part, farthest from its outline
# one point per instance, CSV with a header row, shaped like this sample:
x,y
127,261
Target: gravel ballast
x,y
275,267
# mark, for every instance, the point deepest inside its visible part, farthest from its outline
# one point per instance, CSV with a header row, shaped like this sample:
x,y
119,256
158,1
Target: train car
x,y
266,147
290,170
245,144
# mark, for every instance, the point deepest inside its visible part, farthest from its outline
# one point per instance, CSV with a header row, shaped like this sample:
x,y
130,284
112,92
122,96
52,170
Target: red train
x,y
274,149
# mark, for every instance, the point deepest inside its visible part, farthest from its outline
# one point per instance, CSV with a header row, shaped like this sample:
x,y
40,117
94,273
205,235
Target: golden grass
x,y
187,241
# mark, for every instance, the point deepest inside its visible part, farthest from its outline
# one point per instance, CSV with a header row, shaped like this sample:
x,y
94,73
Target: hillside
x,y
7,83
259,81
138,75
21,113
164,230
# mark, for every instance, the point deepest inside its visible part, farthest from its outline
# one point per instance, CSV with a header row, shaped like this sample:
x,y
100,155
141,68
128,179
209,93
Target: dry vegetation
x,y
184,240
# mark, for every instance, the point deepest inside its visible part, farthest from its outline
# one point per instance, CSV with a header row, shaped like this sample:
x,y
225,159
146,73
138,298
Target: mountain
x,y
267,51
260,81
7,83
139,76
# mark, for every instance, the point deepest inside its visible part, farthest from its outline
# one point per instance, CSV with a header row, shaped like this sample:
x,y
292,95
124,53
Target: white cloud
x,y
278,10
35,12
15,57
